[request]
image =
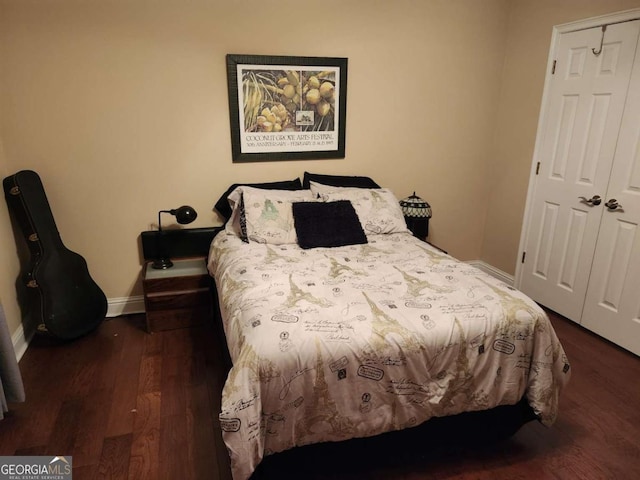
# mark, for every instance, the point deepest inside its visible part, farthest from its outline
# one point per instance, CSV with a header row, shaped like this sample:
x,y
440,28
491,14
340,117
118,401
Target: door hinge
x,y
538,168
553,68
524,254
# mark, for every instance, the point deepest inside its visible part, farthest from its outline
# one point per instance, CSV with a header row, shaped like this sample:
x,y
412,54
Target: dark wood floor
x,y
126,404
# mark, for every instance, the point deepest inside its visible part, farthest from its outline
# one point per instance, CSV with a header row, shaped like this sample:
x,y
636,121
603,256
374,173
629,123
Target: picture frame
x,y
286,107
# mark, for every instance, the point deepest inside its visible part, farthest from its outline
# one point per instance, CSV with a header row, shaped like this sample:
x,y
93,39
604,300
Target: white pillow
x,y
268,214
378,208
320,188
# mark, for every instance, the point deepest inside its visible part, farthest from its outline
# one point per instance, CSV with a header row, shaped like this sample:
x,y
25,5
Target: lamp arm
x,y
159,224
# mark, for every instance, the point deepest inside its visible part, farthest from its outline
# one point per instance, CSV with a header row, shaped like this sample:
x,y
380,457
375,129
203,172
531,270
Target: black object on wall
x,y
60,298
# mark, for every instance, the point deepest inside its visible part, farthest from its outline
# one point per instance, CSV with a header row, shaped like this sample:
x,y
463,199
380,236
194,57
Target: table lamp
x,y
417,213
185,214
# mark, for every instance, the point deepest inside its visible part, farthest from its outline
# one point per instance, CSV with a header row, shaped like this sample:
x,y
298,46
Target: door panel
x,y
596,124
585,105
547,235
609,59
573,245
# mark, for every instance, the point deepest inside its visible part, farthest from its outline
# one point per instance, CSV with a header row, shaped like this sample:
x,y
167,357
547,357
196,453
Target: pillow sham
x,y
338,180
236,223
378,209
223,207
268,214
319,189
331,224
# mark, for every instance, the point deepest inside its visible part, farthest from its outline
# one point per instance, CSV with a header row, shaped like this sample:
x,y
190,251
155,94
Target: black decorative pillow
x,y
327,224
338,181
222,205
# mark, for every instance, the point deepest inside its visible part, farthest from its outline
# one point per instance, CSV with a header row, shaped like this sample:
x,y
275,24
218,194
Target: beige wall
x,y
528,42
122,108
9,264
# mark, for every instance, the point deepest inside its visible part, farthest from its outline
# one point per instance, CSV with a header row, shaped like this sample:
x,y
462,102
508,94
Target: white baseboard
x,y
20,342
493,271
115,308
125,306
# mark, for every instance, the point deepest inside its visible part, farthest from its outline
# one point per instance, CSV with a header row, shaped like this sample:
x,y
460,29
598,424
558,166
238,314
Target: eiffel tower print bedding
x,y
329,344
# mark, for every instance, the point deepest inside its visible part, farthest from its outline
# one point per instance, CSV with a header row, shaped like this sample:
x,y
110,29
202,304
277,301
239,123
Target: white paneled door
x,y
581,253
612,306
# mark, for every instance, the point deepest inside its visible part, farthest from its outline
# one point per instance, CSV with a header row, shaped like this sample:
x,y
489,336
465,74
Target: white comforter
x,y
334,343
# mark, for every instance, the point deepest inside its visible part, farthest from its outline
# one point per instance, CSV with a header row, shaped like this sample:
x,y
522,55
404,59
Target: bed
x,y
341,324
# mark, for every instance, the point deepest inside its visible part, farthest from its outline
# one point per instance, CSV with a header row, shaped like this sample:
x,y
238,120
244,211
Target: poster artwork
x,y
285,108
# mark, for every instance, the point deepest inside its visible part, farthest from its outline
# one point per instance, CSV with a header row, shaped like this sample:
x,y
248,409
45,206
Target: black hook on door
x,y
596,53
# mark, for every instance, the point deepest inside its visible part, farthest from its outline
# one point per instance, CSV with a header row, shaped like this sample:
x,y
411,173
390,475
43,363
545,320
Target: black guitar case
x,y
61,298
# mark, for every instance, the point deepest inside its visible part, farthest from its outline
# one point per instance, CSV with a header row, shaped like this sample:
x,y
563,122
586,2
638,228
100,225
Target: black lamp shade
x,y
185,214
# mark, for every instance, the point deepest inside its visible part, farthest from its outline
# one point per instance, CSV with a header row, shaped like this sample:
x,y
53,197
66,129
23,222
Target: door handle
x,y
613,204
593,201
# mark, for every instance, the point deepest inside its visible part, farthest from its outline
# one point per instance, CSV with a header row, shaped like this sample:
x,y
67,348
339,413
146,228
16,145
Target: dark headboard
x,y
183,242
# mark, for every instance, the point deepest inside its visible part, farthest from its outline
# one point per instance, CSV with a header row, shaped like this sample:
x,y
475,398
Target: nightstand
x,y
179,296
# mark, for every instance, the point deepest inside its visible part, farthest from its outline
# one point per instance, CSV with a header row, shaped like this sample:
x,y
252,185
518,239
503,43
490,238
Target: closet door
x,y
612,305
584,107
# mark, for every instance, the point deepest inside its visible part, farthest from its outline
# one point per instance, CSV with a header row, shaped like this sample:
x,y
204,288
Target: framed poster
x,y
286,108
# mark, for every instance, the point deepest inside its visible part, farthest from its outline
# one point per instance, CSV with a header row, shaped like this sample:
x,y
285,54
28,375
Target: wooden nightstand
x,y
179,296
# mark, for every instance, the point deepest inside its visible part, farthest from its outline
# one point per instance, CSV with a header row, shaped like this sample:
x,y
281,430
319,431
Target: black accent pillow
x,y
222,205
327,224
338,181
